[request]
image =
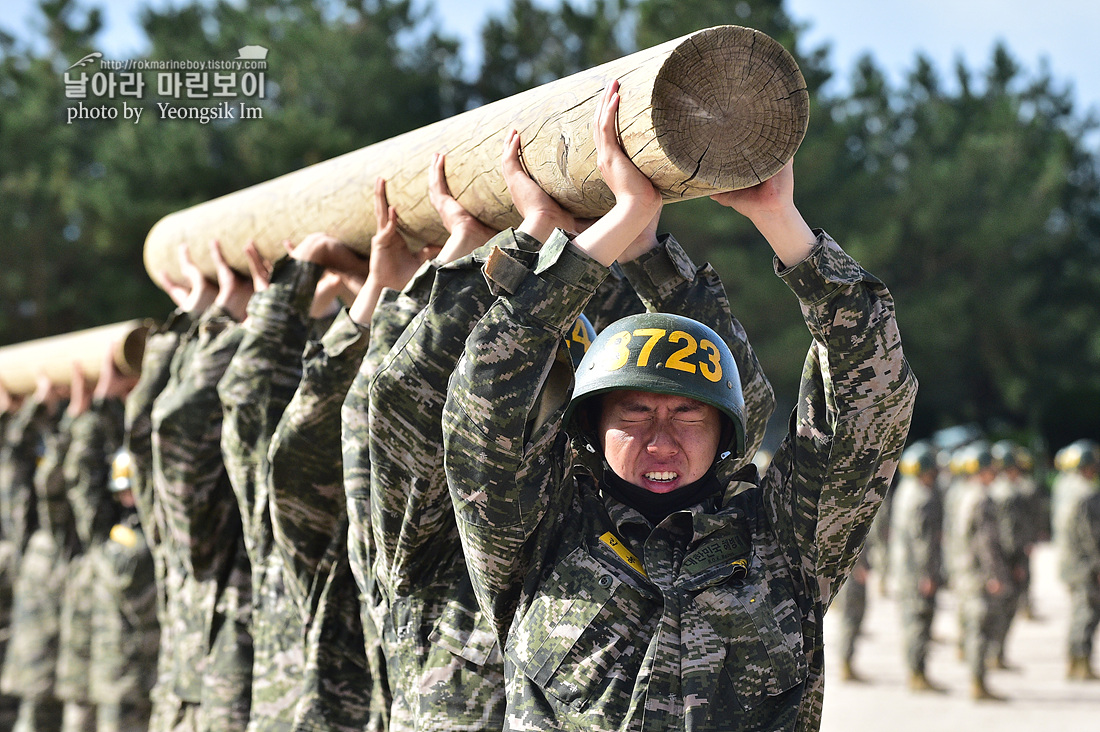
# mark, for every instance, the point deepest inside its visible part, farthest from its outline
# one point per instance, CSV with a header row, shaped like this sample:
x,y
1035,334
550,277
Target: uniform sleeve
x,y
156,364
95,436
190,481
507,455
393,314
18,509
306,467
261,379
831,473
667,281
410,504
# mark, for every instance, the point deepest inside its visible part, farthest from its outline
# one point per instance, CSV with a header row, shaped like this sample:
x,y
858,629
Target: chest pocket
x,y
760,626
580,633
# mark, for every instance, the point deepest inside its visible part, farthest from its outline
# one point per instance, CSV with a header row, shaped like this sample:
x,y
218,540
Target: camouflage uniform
x,y
980,558
208,576
273,456
126,634
1079,566
850,604
160,347
392,314
30,666
916,544
1016,508
11,549
95,435
309,517
610,623
260,381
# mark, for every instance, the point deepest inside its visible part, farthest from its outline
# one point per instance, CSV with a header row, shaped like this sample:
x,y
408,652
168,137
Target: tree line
x,y
972,192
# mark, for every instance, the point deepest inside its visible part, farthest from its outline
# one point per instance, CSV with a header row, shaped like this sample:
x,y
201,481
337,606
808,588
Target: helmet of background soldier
x,y
1007,454
663,354
1079,455
918,458
122,471
579,338
975,457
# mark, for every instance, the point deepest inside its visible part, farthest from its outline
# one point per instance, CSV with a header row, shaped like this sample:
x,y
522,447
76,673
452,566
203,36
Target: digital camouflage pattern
x,y
594,643
444,665
125,629
160,347
979,558
1079,561
916,554
95,435
392,314
208,578
256,388
30,666
22,448
308,517
1016,505
850,603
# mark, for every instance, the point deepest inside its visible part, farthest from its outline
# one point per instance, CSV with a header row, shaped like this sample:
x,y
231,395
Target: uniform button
x,y
605,581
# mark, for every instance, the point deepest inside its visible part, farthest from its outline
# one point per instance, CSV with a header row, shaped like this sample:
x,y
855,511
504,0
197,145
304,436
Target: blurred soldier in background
x,y
1016,502
981,576
850,604
1078,490
125,631
95,433
30,667
916,545
11,548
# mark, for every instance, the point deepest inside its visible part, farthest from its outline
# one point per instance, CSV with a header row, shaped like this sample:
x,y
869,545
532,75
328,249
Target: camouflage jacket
x,y
1079,547
95,435
610,623
30,666
160,346
309,521
125,630
392,314
1017,513
208,576
916,535
22,449
254,392
977,541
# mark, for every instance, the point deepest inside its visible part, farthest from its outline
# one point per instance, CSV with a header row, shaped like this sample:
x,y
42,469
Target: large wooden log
x,y
21,363
720,109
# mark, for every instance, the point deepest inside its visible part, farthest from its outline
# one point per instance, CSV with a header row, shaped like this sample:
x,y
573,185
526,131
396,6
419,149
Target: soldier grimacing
x,y
659,596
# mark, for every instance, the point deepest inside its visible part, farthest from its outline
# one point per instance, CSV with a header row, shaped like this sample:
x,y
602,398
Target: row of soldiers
x,y
969,518
331,552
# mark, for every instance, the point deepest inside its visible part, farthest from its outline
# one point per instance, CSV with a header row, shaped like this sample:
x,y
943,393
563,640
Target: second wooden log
x,y
720,109
21,363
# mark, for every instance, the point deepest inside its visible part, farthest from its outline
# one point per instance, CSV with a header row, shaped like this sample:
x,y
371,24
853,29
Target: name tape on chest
x,y
625,554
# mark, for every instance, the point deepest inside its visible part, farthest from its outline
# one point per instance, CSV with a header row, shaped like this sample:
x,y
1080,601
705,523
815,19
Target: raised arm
x,y
829,477
410,506
189,474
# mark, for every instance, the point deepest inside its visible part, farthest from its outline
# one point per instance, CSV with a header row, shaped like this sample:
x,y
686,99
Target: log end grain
x,y
730,108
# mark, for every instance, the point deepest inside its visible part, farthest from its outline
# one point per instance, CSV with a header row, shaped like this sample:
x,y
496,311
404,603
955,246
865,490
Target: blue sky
x,y
1061,32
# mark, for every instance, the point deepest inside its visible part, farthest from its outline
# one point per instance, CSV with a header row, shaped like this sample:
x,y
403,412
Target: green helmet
x,y
975,457
1007,454
579,338
918,458
663,354
1077,455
